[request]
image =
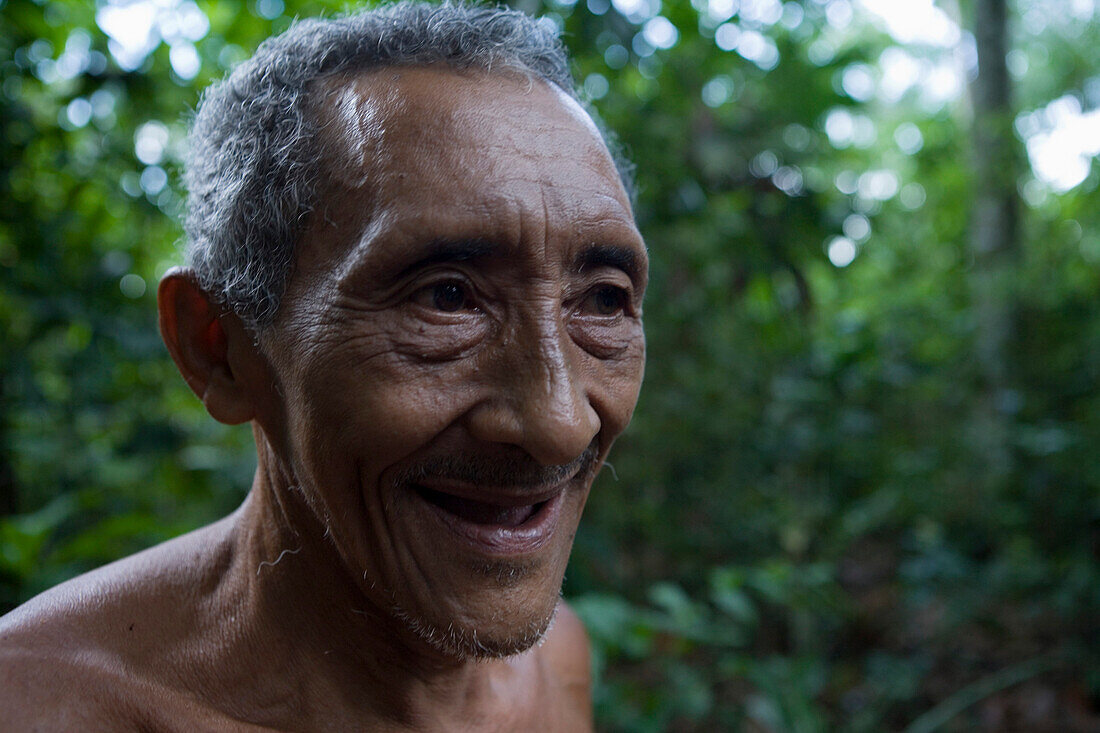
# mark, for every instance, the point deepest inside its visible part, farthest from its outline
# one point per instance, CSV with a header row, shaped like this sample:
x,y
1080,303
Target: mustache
x,y
517,470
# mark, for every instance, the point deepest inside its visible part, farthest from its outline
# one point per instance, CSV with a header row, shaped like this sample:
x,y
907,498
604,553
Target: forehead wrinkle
x,y
369,108
364,112
372,151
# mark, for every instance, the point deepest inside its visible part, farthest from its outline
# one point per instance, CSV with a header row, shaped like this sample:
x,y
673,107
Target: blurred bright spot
x,y
616,56
912,196
660,32
909,138
637,11
764,164
846,182
1017,63
841,251
858,82
719,11
185,60
136,28
130,28
130,182
231,55
190,22
792,15
796,137
759,49
899,70
940,84
1061,142
966,55
788,179
40,50
153,180
103,103
596,86
270,9
920,23
717,91
1035,193
878,185
131,285
820,52
79,112
761,12
838,13
76,56
1035,20
857,227
552,22
150,142
640,46
840,127
726,36
915,21
1083,9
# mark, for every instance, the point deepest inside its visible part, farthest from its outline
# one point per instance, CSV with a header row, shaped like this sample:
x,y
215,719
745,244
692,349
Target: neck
x,y
298,608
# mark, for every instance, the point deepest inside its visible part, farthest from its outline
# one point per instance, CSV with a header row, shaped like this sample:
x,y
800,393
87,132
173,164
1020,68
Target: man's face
x,y
459,345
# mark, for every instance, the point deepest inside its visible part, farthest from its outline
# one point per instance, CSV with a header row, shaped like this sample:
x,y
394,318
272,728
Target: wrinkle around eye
x,y
354,331
607,338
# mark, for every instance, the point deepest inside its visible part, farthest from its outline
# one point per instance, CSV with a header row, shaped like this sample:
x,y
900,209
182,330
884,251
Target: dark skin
x,y
459,345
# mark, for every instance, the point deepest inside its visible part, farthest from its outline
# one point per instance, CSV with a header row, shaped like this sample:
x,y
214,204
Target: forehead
x,y
437,112
420,149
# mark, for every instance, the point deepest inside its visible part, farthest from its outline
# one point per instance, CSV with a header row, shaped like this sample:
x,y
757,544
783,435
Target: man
x,y
415,271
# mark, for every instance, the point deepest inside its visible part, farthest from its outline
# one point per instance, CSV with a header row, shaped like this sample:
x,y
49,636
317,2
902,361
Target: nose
x,y
539,401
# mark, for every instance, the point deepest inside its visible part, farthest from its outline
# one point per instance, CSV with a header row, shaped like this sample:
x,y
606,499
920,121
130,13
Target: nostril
x,y
561,433
535,399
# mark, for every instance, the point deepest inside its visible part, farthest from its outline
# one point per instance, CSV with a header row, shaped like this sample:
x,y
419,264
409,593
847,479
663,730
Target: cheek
x,y
617,385
376,411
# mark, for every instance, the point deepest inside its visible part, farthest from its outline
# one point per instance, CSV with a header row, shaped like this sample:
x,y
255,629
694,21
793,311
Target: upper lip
x,y
499,495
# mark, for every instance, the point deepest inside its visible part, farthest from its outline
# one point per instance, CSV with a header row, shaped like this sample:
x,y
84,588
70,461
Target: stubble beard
x,y
458,642
463,643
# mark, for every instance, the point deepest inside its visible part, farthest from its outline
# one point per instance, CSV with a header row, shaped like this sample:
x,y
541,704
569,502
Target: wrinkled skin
x,y
458,347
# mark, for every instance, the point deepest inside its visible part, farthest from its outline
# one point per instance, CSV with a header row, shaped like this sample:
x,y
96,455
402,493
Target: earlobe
x,y
197,333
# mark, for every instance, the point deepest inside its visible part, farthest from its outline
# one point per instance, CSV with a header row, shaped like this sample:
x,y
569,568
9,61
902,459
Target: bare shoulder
x,y
84,688
43,687
108,606
568,657
71,658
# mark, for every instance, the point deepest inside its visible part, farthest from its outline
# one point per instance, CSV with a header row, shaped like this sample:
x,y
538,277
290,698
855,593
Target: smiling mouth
x,y
481,512
503,525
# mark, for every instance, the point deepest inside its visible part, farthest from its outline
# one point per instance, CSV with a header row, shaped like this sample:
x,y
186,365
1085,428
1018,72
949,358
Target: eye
x,y
606,300
449,296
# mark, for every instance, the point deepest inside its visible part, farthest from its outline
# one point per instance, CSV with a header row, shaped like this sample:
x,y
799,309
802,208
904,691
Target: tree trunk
x,y
993,239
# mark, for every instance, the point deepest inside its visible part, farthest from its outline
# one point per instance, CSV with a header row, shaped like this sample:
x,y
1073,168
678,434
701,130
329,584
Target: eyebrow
x,y
452,250
605,255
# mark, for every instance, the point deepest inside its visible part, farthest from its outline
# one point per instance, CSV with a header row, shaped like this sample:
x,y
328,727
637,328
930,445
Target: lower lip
x,y
490,539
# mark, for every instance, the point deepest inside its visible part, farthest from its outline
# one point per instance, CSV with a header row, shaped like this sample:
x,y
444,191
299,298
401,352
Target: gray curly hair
x,y
251,170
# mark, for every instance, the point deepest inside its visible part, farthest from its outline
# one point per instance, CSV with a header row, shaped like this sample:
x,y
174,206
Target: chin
x,y
473,638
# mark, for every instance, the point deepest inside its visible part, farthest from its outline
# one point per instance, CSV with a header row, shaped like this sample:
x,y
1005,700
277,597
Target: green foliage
x,y
801,533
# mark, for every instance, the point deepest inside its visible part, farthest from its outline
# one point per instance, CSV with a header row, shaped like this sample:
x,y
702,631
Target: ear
x,y
207,345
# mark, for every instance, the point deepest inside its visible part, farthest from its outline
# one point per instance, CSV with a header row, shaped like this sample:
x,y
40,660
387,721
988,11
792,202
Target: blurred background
x,y
860,492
